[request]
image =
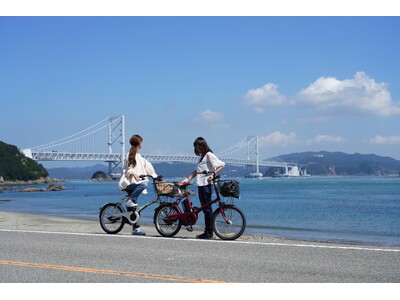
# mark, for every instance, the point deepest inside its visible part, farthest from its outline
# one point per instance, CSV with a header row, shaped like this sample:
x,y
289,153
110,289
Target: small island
x,y
100,176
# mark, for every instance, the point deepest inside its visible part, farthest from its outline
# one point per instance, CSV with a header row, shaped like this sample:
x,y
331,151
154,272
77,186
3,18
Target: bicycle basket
x,y
229,188
164,188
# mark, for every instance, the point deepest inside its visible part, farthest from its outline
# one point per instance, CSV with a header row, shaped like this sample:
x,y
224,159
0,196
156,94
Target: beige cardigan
x,y
143,167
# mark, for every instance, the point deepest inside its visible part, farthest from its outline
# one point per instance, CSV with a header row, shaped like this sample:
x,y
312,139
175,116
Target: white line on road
x,y
212,241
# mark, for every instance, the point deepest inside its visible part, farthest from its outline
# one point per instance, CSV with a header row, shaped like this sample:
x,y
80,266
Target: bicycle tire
x,y
229,230
165,227
109,225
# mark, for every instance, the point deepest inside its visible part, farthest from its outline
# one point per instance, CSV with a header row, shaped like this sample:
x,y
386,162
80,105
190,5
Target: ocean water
x,y
347,209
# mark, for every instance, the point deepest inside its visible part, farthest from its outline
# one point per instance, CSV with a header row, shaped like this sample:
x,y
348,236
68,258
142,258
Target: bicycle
x,y
228,221
114,216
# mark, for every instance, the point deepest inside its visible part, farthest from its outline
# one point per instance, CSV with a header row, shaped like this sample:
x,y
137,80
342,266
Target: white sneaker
x,y
137,231
130,203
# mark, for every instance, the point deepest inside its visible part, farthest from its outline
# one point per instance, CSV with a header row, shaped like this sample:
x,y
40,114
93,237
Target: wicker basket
x,y
165,188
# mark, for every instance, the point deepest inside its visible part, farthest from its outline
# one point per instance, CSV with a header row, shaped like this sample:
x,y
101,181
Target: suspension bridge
x,y
105,141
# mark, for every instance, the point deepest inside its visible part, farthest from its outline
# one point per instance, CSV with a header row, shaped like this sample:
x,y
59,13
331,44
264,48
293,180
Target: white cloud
x,y
209,116
259,110
358,94
322,138
385,140
266,95
277,139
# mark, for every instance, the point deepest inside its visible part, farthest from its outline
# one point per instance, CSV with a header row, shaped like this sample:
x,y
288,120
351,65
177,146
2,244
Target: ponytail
x,y
135,142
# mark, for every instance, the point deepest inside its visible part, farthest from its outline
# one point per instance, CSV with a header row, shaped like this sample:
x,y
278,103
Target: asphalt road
x,y
70,257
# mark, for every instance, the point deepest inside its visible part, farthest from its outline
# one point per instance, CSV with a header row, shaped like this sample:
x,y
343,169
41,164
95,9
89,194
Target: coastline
x,y
35,222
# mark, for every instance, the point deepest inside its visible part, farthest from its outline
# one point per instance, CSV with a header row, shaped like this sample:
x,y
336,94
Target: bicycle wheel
x,y
110,224
165,226
228,222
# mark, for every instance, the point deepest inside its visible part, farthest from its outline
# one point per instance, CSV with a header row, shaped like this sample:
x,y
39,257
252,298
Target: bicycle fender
x,y
101,207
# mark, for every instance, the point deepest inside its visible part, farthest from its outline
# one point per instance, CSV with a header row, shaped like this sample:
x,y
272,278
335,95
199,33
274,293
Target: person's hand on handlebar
x,y
211,177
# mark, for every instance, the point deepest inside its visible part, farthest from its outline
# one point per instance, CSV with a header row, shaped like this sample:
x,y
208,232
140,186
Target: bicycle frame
x,y
127,214
190,217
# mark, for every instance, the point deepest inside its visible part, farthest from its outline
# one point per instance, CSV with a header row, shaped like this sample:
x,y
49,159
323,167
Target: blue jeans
x,y
205,193
134,190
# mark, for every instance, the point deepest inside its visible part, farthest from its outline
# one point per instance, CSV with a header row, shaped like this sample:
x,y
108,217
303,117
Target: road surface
x,y
43,256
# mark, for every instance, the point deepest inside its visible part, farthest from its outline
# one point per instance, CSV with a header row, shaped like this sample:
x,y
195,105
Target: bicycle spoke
x,y
164,225
109,223
229,224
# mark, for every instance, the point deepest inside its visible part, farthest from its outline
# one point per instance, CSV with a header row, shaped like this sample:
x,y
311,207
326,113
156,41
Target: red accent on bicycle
x,y
228,221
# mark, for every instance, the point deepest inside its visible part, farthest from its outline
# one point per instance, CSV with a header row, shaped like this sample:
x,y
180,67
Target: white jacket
x,y
209,163
143,167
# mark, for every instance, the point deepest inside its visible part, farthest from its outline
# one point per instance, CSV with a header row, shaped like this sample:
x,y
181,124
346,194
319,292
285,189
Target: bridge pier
x,y
114,169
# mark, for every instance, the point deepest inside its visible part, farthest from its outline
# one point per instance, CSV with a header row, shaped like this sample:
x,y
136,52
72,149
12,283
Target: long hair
x,y
135,142
201,147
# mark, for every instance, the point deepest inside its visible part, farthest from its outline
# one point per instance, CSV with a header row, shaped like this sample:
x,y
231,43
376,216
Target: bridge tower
x,y
116,135
252,147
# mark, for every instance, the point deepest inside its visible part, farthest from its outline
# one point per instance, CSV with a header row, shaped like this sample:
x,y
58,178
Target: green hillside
x,y
16,166
339,163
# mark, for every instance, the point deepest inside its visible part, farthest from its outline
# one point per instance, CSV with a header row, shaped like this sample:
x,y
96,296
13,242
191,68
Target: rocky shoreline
x,y
26,186
50,188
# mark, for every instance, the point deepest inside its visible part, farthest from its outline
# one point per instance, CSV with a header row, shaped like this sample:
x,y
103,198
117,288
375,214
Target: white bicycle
x,y
113,216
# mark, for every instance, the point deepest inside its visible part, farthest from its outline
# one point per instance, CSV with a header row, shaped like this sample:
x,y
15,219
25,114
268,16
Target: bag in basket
x,y
230,189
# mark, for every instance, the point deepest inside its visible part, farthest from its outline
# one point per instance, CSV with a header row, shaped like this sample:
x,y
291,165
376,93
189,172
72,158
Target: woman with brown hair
x,y
134,166
208,162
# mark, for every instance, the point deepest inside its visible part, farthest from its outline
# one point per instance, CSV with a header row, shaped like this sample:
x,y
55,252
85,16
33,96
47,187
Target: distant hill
x,y
316,163
79,173
339,163
15,166
168,170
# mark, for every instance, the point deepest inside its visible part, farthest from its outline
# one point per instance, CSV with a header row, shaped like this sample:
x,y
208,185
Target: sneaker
x,y
189,228
205,236
130,203
137,231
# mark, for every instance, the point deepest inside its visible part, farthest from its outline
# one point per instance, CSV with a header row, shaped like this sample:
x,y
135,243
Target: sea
x,y
354,210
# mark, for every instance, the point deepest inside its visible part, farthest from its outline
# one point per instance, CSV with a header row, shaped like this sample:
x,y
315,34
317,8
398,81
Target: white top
x,y
143,167
209,163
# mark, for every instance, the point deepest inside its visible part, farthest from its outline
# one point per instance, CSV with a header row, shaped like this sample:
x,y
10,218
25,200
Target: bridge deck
x,y
66,156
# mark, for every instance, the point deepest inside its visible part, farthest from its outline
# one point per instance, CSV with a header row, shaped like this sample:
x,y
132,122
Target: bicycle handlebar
x,y
158,178
210,173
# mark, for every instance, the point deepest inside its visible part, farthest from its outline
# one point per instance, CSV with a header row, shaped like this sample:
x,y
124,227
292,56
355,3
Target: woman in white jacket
x,y
208,162
134,166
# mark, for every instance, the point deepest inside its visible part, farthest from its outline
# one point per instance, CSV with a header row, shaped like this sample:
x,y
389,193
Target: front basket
x,y
229,188
165,188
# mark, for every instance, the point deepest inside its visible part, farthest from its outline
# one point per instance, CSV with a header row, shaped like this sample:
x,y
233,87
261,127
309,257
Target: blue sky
x,y
299,83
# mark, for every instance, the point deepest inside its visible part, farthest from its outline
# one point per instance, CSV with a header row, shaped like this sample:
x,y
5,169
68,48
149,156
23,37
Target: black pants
x,y
205,193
